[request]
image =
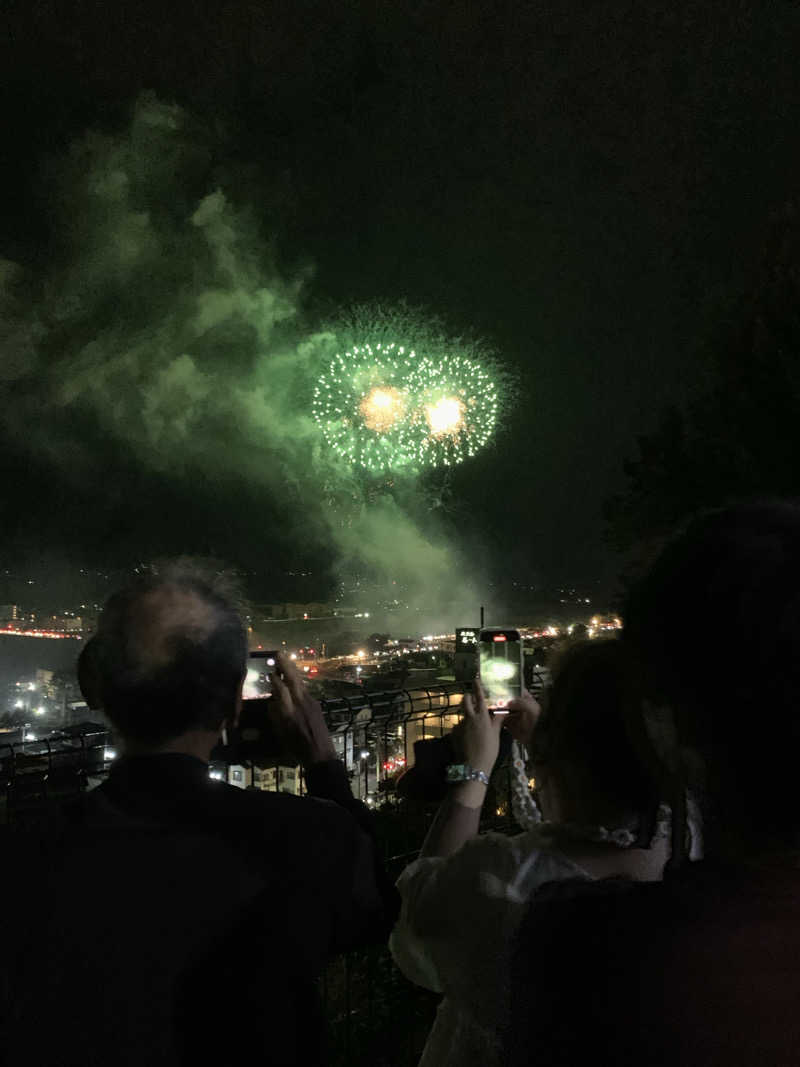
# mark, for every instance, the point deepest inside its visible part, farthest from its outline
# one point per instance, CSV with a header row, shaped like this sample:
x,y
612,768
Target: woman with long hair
x,y
597,814
702,968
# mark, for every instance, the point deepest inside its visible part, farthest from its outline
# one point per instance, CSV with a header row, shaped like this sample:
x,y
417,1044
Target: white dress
x,y
457,925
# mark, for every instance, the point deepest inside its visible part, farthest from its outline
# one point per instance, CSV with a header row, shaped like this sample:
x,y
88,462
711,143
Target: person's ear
x,y
231,720
88,676
237,707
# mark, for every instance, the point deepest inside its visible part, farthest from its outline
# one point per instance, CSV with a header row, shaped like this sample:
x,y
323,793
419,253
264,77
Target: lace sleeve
x,y
459,914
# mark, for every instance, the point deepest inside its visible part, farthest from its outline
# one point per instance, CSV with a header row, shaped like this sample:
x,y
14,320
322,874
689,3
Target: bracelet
x,y
462,772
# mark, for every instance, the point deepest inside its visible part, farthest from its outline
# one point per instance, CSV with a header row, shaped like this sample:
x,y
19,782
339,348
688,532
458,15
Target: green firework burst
x,y
389,406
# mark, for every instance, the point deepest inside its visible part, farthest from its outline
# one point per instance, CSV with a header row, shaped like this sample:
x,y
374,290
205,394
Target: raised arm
x,y
459,815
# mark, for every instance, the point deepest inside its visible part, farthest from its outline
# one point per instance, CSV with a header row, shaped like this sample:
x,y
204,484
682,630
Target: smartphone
x,y
500,667
255,738
258,682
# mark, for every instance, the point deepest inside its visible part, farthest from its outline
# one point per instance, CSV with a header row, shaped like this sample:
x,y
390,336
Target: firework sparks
x,y
392,408
446,416
381,408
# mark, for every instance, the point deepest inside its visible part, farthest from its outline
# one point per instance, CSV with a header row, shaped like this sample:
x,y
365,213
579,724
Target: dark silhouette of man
x,y
168,918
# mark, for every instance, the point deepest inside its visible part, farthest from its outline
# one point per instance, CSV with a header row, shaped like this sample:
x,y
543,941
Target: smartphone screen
x,y
500,666
260,668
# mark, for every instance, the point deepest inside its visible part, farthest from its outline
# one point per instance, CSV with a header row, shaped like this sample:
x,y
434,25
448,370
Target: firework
x,y
446,416
381,408
391,407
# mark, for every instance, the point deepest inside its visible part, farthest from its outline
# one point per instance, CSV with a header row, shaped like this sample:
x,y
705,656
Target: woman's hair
x,y
715,625
592,724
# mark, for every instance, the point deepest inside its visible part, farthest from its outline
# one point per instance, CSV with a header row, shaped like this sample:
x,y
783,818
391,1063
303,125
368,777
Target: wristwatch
x,y
462,772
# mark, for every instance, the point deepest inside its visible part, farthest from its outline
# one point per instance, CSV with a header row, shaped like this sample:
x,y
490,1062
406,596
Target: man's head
x,y
169,656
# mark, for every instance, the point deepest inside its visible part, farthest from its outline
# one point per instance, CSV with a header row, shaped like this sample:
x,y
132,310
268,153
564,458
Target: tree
x,y
739,437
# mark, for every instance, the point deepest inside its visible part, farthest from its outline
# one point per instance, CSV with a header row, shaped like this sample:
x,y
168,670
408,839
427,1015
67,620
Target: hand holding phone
x,y
280,722
480,732
261,666
500,667
300,716
523,714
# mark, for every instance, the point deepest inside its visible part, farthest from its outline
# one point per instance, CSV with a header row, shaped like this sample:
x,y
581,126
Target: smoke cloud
x,y
161,330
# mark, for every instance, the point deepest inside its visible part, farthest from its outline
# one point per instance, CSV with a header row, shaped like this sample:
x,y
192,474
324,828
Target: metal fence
x,y
374,734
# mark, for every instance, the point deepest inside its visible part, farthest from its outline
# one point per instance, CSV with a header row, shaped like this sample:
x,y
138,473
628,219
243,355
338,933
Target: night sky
x,y
585,186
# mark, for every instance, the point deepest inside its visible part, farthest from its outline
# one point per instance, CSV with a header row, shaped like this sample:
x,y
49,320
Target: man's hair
x,y
169,653
716,625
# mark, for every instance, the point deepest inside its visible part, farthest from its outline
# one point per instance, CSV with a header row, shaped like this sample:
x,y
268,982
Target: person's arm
x,y
307,736
459,815
304,726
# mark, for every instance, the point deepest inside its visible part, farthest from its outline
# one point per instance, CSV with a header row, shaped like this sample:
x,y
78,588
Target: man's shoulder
x,y
267,804
308,832
281,816
218,798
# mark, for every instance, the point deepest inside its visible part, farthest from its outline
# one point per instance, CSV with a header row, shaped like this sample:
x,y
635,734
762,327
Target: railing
x,y
374,734
36,773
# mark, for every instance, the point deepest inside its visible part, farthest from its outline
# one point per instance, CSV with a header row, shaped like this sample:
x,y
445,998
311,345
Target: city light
x,y
40,710
51,635
109,753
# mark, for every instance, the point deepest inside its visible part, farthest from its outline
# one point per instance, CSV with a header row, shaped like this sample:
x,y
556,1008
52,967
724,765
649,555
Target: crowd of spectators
x,y
646,912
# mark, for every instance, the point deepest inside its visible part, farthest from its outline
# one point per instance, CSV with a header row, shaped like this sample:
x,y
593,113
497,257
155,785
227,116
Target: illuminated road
x,y
49,634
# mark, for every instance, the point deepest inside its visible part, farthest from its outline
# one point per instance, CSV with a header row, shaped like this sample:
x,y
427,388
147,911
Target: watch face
x,y
455,772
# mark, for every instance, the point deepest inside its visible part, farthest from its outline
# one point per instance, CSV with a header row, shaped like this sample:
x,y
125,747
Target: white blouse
x,y
457,924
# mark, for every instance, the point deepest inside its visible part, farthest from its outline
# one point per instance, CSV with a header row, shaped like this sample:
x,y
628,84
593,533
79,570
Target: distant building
x,y
66,623
8,613
296,611
465,661
270,779
78,712
44,683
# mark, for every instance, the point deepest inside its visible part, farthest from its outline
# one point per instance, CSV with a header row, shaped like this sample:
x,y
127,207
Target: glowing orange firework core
x,y
446,416
381,408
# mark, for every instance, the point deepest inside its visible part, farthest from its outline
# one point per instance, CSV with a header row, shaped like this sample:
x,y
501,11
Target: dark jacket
x,y
700,970
167,918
